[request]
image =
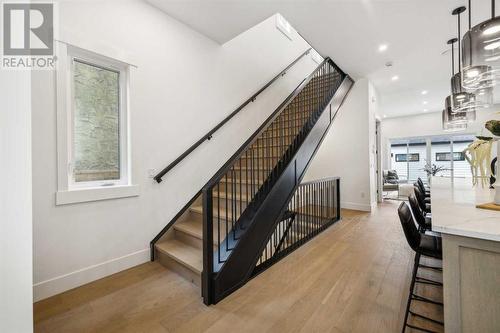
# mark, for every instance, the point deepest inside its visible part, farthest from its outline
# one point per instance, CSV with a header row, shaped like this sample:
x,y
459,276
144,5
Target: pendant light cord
x,y
470,13
459,59
452,59
492,8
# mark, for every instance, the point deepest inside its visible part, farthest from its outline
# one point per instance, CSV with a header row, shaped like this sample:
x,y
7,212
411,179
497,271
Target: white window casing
x,y
68,190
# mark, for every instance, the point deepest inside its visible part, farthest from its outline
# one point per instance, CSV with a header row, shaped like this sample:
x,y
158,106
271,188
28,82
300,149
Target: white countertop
x,y
454,209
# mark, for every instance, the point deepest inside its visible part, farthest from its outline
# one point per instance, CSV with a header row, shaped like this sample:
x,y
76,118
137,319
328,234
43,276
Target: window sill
x,y
96,194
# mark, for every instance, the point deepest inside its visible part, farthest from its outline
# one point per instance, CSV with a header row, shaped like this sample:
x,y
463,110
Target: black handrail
x,y
209,135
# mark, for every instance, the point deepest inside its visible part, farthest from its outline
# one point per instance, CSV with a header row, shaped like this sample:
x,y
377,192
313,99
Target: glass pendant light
x,y
481,53
453,121
451,115
460,100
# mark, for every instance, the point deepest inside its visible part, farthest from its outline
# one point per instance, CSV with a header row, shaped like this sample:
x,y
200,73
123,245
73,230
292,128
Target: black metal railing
x,y
209,135
234,195
314,207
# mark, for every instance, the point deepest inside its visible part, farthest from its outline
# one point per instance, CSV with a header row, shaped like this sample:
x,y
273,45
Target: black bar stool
x,y
423,245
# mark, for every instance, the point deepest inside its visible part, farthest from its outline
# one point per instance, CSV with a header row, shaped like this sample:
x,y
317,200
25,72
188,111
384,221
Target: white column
x,y
16,264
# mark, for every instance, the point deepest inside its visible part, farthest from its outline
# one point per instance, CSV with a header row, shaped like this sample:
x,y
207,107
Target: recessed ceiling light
x,y
395,78
424,92
425,110
385,116
382,47
424,102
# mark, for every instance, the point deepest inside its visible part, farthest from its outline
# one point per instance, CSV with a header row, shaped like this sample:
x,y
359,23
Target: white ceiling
x,y
350,31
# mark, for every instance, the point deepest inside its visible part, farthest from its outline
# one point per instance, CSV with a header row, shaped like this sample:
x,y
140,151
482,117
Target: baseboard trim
x,y
356,206
59,284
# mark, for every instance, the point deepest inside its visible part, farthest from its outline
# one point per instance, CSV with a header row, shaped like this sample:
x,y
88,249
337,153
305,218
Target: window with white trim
x,y
93,135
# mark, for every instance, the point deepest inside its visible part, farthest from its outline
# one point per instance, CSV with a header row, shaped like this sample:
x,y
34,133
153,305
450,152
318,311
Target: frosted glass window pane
x,y
439,147
417,147
96,137
461,168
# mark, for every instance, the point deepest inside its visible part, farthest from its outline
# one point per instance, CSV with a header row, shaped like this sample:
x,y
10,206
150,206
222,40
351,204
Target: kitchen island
x,y
471,255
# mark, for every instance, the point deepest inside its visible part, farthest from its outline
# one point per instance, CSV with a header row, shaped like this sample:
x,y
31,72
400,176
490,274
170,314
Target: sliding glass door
x,y
409,156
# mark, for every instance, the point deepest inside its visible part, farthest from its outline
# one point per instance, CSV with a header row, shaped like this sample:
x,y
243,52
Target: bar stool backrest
x,y
421,185
420,197
411,232
417,212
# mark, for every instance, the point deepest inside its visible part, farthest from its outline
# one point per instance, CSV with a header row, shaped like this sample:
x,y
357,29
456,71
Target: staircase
x,y
254,211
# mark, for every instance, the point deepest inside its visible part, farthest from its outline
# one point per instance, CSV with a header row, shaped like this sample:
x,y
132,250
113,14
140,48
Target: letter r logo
x,y
28,29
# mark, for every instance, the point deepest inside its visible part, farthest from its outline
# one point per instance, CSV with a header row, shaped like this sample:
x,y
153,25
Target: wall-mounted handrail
x,y
209,135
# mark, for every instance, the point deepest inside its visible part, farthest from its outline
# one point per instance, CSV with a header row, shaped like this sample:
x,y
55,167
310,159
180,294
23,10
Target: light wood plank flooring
x,y
354,277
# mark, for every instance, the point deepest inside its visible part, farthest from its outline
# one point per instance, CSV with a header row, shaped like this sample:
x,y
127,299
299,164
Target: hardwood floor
x,y
354,277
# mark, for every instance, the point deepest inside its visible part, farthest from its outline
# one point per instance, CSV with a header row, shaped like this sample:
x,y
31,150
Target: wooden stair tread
x,y
195,229
223,212
183,253
191,227
242,181
237,197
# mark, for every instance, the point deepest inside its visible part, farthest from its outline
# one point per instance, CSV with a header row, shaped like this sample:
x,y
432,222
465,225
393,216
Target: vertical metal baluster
x,y
268,159
218,222
226,199
314,214
327,199
315,206
208,254
251,176
307,205
318,207
309,200
321,210
241,195
332,197
261,162
302,225
233,203
282,140
324,205
246,179
272,173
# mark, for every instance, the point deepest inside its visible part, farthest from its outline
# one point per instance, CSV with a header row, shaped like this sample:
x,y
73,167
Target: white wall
x,y
428,124
345,151
16,272
184,84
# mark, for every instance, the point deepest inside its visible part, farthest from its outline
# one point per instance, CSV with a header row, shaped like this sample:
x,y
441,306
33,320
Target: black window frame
x,y
400,158
447,156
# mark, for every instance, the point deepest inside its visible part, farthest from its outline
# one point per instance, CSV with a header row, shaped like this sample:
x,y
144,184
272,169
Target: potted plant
x,y
478,154
433,170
